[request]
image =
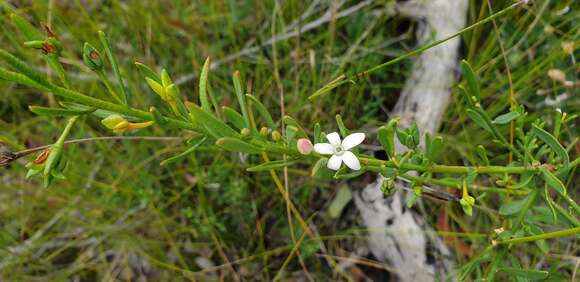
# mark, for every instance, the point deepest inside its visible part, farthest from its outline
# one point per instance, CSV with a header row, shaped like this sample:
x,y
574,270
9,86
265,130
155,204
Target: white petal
x,y
351,160
353,140
334,162
324,148
333,138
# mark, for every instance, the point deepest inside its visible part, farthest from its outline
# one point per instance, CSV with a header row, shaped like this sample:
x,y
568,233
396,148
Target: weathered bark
x,y
398,236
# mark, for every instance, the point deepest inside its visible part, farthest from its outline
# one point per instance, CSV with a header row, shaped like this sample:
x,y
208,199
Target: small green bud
x,y
264,131
92,57
388,186
114,121
119,124
276,136
245,131
52,46
418,190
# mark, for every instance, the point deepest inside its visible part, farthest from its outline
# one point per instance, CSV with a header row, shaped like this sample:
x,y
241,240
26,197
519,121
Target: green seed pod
x,y
92,57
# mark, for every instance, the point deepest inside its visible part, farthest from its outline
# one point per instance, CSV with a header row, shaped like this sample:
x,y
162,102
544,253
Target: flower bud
x,y
52,46
276,136
568,47
245,131
92,57
304,146
114,121
119,124
264,131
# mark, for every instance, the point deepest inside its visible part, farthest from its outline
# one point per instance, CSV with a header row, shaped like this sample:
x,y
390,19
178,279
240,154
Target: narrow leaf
x,y
342,198
479,120
237,145
471,79
233,117
288,120
29,31
525,273
513,207
263,111
184,154
203,96
341,127
241,99
272,165
554,182
214,126
114,64
148,72
552,142
44,111
506,118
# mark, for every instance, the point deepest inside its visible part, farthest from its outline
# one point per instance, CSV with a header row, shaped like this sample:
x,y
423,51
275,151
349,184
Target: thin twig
x,y
12,156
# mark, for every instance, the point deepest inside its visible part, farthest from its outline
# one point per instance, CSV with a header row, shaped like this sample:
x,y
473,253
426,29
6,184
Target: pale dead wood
x,y
417,255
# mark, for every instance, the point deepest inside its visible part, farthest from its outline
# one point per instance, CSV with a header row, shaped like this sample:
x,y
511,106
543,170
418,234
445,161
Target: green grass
x,y
120,215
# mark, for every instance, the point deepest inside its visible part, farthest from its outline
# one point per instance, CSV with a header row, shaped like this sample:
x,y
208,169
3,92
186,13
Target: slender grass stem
x,y
555,234
343,80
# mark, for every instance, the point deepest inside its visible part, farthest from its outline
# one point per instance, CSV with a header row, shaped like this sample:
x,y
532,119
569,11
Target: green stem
x,y
555,234
452,184
105,81
90,101
448,168
342,80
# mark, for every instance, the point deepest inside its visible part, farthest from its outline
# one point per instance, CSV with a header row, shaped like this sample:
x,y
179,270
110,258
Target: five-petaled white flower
x,y
340,150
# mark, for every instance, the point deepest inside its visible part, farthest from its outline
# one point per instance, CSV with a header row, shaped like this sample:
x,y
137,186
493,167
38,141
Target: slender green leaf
x,y
241,98
203,96
513,207
552,142
237,145
29,31
553,181
157,116
342,198
114,64
288,120
214,126
272,165
233,117
147,72
479,119
506,118
44,111
471,79
341,127
23,68
181,156
263,111
525,273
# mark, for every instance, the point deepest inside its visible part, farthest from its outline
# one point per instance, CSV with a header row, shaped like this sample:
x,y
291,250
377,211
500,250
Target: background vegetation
x,y
119,215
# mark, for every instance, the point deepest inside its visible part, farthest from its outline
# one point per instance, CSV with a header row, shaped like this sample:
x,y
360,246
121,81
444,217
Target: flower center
x,y
339,150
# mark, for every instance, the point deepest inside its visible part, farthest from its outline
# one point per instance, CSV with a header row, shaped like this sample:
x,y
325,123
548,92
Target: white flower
x,y
340,150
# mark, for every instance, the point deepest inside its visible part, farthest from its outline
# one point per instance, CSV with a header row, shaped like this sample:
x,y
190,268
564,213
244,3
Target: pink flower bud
x,y
304,146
